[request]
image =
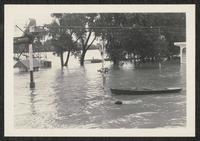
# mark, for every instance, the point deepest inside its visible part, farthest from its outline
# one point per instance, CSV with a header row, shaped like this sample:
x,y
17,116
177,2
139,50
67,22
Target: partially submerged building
x,y
24,65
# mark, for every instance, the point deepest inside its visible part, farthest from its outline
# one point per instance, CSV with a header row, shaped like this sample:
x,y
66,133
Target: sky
x,y
41,19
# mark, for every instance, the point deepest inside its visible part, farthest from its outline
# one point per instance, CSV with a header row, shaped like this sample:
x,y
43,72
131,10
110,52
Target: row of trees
x,y
145,36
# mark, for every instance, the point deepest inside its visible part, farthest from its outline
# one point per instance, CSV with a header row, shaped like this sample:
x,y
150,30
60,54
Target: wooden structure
x,y
181,45
24,65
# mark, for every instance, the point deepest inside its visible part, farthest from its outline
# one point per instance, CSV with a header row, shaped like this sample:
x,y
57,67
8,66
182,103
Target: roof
x,y
181,44
25,64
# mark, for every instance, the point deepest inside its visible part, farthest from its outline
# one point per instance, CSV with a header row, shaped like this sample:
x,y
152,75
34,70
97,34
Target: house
x,y
23,65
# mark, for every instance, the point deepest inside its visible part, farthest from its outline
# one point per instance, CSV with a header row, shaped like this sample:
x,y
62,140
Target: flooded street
x,y
74,97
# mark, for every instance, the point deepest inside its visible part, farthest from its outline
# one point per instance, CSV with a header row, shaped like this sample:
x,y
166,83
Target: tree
x,y
172,27
80,28
56,40
62,41
112,36
143,39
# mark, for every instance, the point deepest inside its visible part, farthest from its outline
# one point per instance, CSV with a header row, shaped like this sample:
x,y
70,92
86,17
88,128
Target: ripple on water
x,y
74,97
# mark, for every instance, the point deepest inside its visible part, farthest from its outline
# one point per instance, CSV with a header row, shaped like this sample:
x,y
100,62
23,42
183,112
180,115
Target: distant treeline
x,y
149,37
46,47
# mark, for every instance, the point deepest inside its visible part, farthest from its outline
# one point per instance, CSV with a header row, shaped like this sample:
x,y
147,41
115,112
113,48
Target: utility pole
x,y
32,83
29,37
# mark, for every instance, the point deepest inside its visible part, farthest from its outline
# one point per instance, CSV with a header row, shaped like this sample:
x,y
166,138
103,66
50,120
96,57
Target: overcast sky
x,y
41,19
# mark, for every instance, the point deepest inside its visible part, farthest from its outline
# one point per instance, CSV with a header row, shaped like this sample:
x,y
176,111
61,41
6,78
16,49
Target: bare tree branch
x,y
88,37
91,43
78,38
71,32
82,41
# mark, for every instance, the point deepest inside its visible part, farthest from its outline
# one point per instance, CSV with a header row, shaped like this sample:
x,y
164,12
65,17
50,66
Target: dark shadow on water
x,y
32,101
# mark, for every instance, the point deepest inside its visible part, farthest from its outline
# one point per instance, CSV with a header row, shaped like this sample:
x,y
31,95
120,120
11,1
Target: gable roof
x,y
25,64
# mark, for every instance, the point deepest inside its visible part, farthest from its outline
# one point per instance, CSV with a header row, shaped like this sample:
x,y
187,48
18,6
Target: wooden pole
x,y
32,83
159,47
102,55
181,55
103,69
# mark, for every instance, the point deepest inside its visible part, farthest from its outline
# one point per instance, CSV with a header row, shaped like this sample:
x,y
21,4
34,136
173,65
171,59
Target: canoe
x,y
96,61
144,91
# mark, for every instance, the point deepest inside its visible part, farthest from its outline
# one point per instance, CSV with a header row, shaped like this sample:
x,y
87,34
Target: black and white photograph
x,y
99,70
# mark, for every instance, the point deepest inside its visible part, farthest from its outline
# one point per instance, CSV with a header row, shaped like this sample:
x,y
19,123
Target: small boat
x,y
144,91
96,61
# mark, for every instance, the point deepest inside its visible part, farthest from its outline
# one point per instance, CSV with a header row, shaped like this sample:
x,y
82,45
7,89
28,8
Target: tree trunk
x,y
66,62
116,62
82,58
61,59
134,59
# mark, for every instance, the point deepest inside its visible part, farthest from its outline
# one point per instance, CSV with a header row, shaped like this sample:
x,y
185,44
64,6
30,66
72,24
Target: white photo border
x,y
12,10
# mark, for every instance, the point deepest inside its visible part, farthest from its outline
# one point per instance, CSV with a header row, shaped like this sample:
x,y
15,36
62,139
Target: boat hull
x,y
144,92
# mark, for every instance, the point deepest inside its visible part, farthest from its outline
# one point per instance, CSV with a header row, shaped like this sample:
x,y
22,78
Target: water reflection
x,y
74,97
32,101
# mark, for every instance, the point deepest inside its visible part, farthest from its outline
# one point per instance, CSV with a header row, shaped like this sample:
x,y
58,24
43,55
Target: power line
x,y
20,29
113,27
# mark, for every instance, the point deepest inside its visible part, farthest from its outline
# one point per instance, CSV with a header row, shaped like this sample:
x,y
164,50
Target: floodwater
x,y
74,97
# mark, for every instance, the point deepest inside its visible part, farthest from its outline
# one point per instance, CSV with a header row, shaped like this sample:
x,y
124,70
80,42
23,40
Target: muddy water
x,y
74,97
